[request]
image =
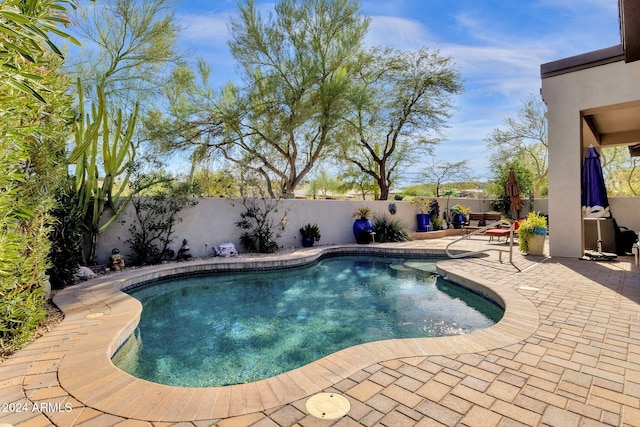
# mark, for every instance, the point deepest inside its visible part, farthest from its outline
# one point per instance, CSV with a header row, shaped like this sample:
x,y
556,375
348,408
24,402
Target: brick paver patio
x,y
566,354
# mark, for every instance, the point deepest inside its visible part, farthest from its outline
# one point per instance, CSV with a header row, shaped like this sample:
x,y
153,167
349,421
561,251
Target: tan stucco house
x,y
593,98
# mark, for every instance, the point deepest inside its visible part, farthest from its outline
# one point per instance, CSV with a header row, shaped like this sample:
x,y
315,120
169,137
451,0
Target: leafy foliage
x,y
523,139
25,42
34,115
535,223
400,97
312,231
434,210
156,209
66,237
298,64
132,43
389,229
261,228
498,186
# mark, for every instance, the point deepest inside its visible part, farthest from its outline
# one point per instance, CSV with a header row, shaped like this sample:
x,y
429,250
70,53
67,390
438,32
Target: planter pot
x,y
423,222
362,229
307,241
458,220
536,244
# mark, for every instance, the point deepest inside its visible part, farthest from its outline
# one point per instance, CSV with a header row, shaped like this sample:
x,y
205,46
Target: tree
x,y
215,183
621,171
297,64
324,184
498,186
442,172
127,46
401,100
524,139
355,179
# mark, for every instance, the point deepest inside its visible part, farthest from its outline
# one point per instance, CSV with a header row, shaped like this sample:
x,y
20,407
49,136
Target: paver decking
x,y
566,354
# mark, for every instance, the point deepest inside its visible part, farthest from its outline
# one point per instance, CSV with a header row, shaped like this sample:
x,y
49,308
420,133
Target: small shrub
x,y
362,213
312,231
390,230
156,215
261,228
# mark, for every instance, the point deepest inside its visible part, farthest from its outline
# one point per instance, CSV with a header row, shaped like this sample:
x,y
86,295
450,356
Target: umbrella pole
x,y
599,236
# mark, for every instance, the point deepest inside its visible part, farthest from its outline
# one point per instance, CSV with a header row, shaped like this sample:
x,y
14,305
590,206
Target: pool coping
x,y
105,317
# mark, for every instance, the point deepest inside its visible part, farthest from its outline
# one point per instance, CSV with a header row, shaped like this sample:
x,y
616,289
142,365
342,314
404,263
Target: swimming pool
x,y
236,328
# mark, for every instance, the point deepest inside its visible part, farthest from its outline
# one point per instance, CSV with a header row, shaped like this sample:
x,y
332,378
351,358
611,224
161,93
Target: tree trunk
x,y
384,189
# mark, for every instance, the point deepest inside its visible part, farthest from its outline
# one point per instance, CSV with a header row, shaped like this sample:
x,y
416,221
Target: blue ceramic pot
x,y
362,229
458,220
307,241
423,222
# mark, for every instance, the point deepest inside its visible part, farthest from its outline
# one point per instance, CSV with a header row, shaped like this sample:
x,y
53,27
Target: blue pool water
x,y
236,328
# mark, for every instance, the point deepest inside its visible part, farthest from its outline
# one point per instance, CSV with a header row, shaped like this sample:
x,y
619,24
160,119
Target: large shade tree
x,y
297,64
401,102
523,138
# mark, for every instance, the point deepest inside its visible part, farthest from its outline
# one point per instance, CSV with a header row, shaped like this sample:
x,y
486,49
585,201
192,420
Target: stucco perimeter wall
x,y
566,95
625,211
212,222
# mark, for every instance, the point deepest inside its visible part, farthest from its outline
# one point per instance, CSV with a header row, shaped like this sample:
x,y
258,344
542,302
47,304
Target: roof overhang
x,y
630,28
612,126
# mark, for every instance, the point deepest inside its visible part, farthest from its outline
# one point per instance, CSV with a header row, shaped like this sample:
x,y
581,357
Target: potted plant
x,y
459,215
310,234
423,216
531,234
362,226
437,224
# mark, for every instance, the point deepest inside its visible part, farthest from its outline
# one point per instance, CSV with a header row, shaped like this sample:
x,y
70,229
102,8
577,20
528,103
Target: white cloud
x,y
400,33
205,28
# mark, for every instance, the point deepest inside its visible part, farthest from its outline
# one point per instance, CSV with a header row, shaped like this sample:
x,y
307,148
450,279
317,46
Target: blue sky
x,y
498,46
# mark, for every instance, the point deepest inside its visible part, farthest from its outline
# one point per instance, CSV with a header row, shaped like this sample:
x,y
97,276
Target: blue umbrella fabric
x,y
595,203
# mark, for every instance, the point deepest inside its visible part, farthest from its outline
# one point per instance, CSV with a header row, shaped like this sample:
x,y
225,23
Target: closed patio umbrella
x,y
513,191
595,203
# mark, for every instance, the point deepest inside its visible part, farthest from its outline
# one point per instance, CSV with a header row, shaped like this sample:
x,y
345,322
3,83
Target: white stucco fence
x,y
212,222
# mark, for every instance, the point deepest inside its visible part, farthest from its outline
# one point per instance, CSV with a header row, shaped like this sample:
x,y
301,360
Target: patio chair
x,y
504,232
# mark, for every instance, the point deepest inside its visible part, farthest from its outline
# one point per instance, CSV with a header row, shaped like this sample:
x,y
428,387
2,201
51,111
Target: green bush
x,y
261,229
390,230
66,238
23,261
156,215
33,135
312,231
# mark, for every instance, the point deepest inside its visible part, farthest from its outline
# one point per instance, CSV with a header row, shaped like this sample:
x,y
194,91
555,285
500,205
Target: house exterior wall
x,y
566,95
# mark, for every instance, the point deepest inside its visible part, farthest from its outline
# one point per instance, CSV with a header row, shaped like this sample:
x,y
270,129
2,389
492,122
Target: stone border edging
x,y
87,374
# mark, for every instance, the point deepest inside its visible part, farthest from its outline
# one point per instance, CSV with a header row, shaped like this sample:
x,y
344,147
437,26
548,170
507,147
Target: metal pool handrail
x,y
480,231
